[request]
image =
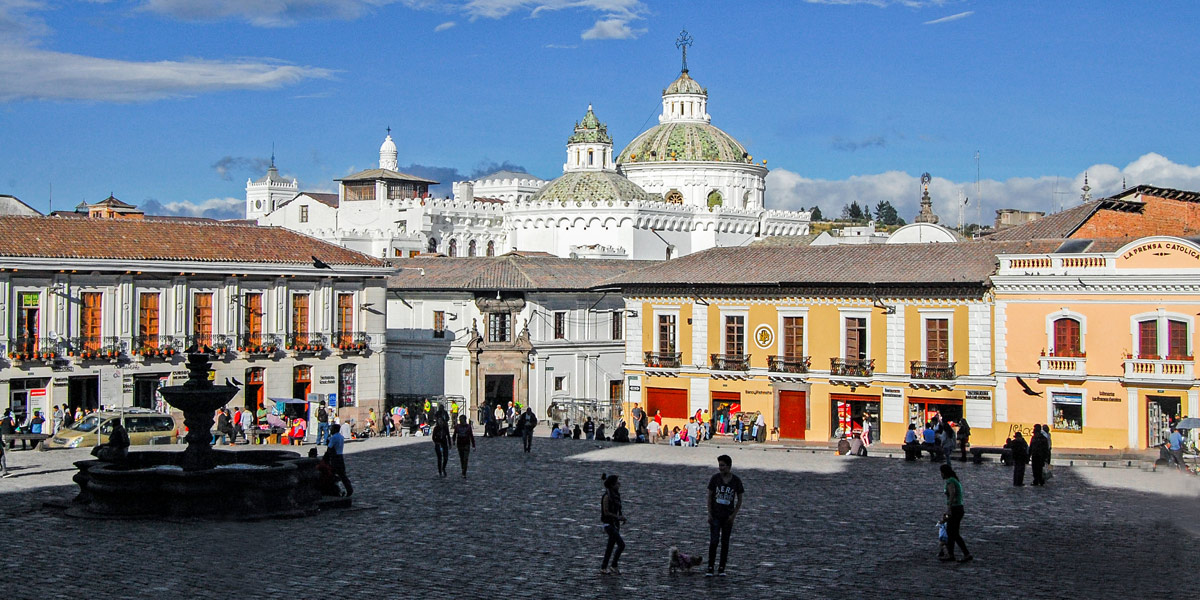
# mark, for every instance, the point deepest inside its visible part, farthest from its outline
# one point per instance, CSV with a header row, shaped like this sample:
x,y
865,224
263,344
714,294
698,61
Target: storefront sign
x,y
635,388
758,392
1162,249
37,393
979,395
60,382
1106,397
764,336
892,405
326,380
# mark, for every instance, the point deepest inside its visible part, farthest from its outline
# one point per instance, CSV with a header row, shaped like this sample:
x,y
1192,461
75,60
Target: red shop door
x,y
792,409
672,403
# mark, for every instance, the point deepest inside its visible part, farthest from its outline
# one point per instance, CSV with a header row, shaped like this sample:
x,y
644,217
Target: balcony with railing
x,y
851,367
788,364
214,344
1063,365
664,360
1172,369
730,362
306,343
932,369
351,342
86,347
155,346
258,344
22,349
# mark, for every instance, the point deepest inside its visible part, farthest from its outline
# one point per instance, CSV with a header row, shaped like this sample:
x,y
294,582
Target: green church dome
x,y
683,140
590,185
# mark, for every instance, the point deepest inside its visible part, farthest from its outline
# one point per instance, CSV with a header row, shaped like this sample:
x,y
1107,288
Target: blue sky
x,y
174,103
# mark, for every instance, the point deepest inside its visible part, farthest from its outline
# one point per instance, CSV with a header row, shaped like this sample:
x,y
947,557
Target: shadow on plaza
x,y
529,525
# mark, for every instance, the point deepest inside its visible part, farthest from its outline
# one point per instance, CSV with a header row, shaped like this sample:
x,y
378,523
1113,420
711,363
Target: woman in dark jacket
x,y
964,437
1020,456
612,517
1039,452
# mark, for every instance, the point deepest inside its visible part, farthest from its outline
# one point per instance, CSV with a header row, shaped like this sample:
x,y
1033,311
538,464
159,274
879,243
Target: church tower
x,y
388,154
590,147
268,192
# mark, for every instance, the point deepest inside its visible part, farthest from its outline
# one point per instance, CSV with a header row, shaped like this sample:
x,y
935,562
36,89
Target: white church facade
x,y
678,188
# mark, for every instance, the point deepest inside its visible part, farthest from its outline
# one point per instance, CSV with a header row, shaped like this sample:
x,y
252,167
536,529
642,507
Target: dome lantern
x,y
388,154
589,148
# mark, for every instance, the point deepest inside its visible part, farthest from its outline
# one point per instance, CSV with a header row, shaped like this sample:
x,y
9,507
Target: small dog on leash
x,y
683,562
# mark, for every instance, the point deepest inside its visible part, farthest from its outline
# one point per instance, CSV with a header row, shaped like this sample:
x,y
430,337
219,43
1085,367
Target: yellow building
x,y
820,339
1097,339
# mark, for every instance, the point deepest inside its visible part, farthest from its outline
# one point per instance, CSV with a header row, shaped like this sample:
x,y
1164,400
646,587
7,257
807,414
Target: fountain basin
x,y
245,485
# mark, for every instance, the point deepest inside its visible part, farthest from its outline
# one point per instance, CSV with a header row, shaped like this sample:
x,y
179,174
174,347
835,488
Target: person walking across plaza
x,y
589,429
612,518
322,425
336,455
954,507
724,501
441,444
247,426
1039,453
464,438
1174,447
1020,456
528,421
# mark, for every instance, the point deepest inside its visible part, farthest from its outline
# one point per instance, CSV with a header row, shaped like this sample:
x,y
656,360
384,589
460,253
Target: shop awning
x,y
288,401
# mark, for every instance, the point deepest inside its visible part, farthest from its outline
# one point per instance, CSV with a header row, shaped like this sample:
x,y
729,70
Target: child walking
x,y
611,516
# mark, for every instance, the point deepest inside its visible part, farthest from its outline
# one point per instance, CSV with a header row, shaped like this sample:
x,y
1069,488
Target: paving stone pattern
x,y
527,526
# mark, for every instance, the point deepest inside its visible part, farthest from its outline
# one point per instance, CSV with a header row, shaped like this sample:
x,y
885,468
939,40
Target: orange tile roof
x,y
82,238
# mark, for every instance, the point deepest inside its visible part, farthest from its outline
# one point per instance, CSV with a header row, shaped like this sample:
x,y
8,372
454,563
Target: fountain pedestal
x,y
200,482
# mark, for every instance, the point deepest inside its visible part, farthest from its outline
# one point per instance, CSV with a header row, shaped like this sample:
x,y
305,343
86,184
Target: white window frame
x,y
667,311
735,311
1050,407
1066,313
1161,316
783,313
937,313
847,313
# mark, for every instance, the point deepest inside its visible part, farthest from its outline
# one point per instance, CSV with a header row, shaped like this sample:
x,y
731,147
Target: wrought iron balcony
x,y
933,369
155,346
258,344
30,348
214,344
1171,369
86,347
351,341
730,362
305,342
788,364
663,360
852,367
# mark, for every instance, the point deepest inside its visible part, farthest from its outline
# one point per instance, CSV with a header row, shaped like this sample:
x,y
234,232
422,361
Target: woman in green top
x,y
954,504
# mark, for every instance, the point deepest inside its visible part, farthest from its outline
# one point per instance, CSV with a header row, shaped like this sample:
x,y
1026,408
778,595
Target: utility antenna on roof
x,y
682,42
1058,201
272,153
1087,189
978,198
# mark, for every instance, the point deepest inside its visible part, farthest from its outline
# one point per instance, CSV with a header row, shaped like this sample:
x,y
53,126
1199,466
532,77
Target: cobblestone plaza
x,y
813,525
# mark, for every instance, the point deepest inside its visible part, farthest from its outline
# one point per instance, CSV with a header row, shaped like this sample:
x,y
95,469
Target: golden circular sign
x,y
764,336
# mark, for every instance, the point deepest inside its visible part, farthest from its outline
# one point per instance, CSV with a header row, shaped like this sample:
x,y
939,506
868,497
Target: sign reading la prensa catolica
x,y
1162,247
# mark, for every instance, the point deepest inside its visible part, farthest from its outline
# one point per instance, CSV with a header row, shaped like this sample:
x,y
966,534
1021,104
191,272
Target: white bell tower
x,y
267,192
589,148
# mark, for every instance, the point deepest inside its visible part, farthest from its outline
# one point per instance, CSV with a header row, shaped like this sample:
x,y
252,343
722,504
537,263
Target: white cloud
x,y
883,3
18,21
961,15
445,26
213,208
789,190
31,73
263,13
612,29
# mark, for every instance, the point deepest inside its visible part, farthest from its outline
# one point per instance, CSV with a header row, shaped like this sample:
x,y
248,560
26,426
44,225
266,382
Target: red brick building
x,y
1134,213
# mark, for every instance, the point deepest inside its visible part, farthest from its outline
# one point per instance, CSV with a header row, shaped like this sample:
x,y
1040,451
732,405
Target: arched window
x,y
471,248
591,158
491,249
1067,342
452,248
674,197
714,198
433,245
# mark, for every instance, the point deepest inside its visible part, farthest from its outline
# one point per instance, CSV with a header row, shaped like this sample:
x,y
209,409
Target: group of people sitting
x,y
938,438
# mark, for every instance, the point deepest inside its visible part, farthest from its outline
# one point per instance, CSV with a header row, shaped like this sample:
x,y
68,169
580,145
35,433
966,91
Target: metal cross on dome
x,y
682,43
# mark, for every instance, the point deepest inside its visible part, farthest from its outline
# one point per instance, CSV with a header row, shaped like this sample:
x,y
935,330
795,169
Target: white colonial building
x,y
680,187
98,312
512,328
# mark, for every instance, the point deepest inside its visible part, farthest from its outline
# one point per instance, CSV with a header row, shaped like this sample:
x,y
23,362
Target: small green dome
x,y
590,130
585,186
683,140
684,85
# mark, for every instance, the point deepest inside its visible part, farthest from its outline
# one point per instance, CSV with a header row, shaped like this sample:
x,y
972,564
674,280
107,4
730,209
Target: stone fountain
x,y
200,482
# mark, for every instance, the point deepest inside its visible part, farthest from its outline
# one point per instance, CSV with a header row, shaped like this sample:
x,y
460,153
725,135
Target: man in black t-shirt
x,y
724,501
